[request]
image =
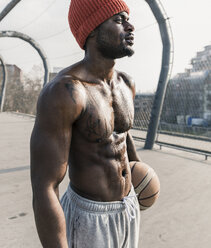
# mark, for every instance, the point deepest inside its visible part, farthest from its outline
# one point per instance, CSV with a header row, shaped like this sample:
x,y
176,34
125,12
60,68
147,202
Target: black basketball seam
x,y
144,205
145,186
133,167
142,181
148,196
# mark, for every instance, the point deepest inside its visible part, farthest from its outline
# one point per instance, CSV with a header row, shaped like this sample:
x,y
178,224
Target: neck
x,y
98,66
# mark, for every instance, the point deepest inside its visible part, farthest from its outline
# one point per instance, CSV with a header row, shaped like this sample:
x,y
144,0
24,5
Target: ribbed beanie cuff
x,y
85,15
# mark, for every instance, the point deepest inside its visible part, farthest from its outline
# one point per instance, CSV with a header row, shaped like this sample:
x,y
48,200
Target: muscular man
x,y
83,119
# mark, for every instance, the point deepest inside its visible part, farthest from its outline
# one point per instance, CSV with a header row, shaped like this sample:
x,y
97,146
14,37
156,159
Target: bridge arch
x,y
34,44
4,82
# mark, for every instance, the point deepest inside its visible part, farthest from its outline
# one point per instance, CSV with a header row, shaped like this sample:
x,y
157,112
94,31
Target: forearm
x,y
131,149
50,220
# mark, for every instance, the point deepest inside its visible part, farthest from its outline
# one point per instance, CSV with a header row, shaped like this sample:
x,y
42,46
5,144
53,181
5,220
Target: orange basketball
x,y
146,184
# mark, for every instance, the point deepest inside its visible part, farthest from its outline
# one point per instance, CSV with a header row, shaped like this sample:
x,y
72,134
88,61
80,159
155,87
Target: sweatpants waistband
x,y
96,206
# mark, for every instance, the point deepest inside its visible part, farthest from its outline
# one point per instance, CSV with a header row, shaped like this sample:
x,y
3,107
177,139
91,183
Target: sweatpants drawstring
x,y
130,206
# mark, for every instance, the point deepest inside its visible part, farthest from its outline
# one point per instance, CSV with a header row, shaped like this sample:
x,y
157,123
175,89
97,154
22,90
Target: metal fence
x,y
187,107
186,115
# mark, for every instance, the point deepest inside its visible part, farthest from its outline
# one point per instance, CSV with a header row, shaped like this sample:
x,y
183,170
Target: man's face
x,y
115,37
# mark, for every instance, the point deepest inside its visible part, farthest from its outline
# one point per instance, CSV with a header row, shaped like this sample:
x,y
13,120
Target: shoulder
x,y
128,80
62,96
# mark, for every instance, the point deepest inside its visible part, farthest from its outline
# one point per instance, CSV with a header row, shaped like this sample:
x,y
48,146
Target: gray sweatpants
x,y
92,224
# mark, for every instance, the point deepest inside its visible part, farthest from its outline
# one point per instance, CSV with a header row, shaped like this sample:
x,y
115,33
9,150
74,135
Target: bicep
x,y
58,108
49,155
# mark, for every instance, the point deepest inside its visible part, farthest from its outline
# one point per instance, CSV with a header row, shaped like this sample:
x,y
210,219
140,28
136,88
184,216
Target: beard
x,y
108,50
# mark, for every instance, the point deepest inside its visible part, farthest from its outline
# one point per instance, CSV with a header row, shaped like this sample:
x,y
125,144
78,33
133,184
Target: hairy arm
x,y
50,144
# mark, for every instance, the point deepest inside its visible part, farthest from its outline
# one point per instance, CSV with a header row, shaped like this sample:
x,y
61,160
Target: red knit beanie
x,y
85,15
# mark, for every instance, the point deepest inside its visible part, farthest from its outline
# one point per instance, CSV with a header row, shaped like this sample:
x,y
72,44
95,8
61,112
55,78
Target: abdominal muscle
x,y
100,171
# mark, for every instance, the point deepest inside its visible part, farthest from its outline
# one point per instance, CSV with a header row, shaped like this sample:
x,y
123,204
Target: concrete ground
x,y
181,218
176,140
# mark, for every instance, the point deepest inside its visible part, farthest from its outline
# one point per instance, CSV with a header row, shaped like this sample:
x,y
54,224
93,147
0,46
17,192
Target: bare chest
x,y
107,111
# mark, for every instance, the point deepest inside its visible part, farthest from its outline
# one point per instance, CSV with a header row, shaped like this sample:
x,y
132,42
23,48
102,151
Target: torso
x,y
99,167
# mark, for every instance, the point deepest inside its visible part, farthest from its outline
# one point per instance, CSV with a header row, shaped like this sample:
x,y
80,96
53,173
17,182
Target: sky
x,y
46,22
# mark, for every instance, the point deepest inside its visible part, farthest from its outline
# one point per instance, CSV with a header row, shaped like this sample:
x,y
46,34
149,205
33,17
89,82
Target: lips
x,y
129,39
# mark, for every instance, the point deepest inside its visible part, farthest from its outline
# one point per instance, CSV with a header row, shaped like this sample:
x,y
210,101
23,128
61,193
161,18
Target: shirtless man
x,y
83,119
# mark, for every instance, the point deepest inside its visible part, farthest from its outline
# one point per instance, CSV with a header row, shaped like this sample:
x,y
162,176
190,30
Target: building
x,y
189,93
53,74
14,89
14,74
202,61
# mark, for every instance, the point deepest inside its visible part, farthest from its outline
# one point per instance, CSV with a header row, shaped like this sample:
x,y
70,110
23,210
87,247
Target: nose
x,y
129,27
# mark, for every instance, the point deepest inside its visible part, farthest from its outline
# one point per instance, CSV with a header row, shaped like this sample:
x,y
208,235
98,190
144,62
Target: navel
x,y
124,172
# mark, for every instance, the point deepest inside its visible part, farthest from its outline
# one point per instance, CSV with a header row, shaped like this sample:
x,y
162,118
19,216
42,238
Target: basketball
x,y
146,184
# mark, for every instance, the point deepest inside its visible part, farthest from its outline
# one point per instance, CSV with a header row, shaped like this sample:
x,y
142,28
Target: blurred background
x,y
186,111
